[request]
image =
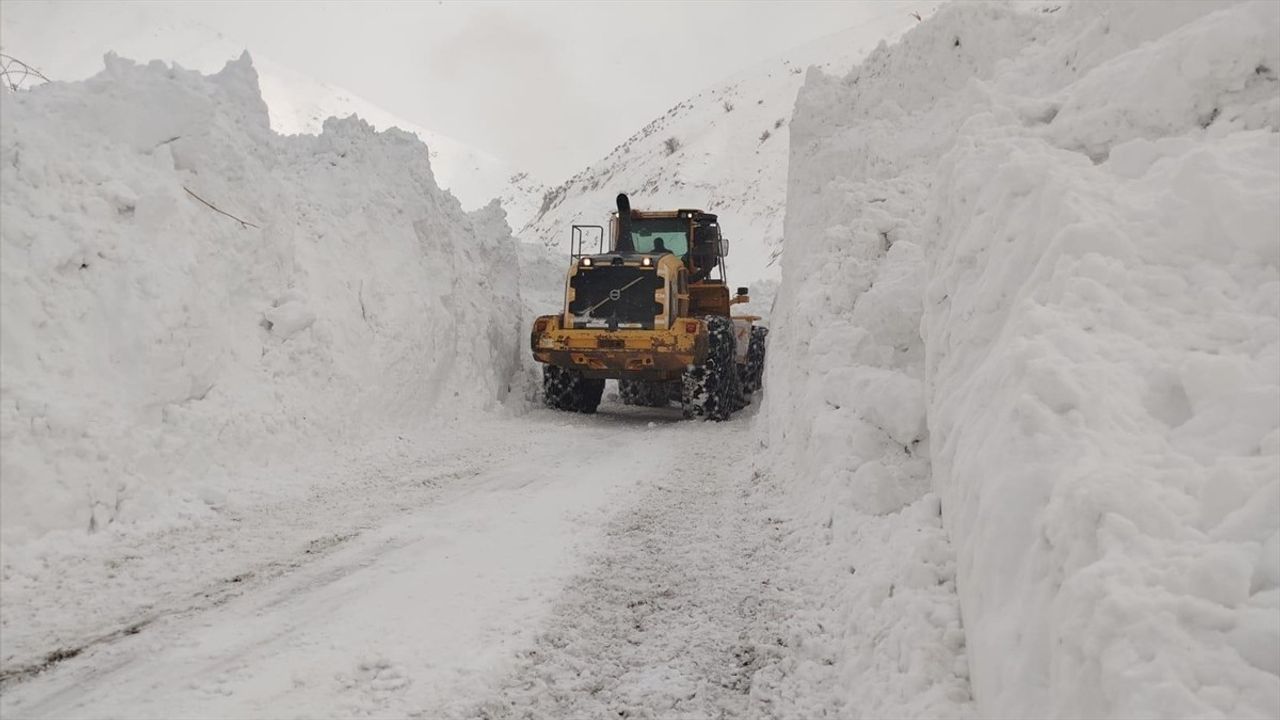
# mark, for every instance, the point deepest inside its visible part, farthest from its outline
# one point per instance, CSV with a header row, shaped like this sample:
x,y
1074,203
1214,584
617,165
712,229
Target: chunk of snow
x,y
285,321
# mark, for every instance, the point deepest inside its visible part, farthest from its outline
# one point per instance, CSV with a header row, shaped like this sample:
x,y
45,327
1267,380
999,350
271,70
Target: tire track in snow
x,y
193,592
187,571
411,613
675,616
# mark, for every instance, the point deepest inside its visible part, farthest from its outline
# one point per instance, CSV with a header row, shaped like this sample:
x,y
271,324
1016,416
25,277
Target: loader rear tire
x,y
566,389
712,389
753,371
738,397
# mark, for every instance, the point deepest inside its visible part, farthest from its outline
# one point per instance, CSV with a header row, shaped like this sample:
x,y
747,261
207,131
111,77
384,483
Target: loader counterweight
x,y
644,354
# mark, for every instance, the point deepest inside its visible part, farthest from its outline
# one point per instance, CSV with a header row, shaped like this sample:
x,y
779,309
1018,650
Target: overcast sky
x,y
534,83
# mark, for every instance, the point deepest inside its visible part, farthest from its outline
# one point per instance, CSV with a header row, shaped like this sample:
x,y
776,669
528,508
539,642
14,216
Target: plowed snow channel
x,y
621,565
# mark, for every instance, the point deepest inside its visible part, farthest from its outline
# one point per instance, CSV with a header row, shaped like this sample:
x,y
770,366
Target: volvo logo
x,y
614,294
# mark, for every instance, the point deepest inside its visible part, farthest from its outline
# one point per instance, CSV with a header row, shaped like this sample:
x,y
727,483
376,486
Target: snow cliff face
x,y
723,150
1031,264
155,349
68,44
297,104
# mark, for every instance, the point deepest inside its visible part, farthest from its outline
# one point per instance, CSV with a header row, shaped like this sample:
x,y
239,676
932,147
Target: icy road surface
x,y
554,566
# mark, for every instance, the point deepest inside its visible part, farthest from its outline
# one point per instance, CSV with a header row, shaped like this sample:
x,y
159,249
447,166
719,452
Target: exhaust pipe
x,y
625,243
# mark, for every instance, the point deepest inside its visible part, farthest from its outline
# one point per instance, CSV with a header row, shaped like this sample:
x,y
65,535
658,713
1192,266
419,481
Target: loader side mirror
x,y
743,291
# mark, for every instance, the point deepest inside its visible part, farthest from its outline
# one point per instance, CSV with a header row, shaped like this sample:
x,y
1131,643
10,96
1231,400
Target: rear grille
x,y
612,296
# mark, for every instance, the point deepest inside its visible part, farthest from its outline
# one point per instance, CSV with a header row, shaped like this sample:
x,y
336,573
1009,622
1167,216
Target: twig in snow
x,y
215,208
23,71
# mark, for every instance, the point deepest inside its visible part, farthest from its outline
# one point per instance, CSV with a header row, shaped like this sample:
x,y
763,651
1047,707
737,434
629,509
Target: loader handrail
x,y
577,238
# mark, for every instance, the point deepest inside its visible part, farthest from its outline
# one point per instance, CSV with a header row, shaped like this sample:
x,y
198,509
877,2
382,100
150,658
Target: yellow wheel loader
x,y
651,311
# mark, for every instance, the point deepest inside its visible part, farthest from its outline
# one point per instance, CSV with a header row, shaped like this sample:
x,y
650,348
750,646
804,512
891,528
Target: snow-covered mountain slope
x,y
67,43
723,150
1031,265
156,353
298,104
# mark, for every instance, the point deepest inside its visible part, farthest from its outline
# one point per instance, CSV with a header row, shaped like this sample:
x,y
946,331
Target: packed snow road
x,y
551,565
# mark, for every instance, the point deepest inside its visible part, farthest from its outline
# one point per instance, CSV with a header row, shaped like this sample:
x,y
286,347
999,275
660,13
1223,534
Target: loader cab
x,y
694,236
691,235
693,250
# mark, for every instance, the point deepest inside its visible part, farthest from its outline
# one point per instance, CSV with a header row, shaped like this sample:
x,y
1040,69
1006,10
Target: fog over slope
x,y
723,150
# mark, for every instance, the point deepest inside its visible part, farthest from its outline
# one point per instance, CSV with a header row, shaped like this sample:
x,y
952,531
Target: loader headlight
x,y
646,262
586,262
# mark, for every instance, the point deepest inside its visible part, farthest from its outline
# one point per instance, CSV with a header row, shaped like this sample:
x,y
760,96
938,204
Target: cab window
x,y
672,232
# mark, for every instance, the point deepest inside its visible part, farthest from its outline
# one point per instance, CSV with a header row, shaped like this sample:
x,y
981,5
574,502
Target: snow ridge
x,y
68,44
156,351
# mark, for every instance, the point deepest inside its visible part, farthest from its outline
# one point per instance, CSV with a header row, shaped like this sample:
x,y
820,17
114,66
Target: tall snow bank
x,y
844,419
156,352
1051,235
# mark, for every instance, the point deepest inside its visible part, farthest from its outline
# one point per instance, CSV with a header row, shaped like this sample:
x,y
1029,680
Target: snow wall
x,y
157,355
1031,273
